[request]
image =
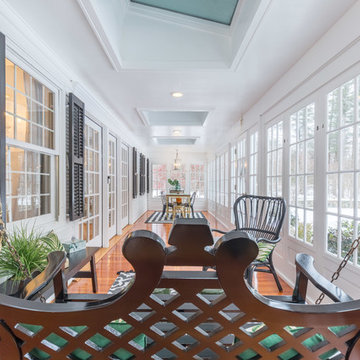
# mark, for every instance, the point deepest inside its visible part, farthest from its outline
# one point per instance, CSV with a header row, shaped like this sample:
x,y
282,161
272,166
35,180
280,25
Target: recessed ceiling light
x,y
177,94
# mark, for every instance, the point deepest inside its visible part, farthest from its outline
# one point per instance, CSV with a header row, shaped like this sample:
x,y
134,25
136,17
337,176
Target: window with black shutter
x,y
76,157
142,174
2,128
135,174
148,176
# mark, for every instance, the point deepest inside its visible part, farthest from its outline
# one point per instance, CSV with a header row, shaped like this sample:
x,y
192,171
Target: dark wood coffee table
x,y
77,261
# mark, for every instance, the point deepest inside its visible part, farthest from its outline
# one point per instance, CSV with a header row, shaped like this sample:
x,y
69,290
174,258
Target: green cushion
x,y
264,250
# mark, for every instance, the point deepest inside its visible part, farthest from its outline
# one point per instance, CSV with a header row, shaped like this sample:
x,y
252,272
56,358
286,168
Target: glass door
x,y
90,224
124,185
112,186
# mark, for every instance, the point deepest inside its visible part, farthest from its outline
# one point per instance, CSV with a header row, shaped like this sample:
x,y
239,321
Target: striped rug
x,y
158,218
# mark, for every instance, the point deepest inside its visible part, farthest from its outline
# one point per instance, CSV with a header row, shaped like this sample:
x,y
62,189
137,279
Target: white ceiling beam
x,y
100,33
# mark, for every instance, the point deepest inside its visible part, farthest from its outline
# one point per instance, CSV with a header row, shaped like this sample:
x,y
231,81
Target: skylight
x,y
220,11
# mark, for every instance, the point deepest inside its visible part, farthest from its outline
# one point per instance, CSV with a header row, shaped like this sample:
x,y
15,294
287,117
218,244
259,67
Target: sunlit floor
x,y
112,260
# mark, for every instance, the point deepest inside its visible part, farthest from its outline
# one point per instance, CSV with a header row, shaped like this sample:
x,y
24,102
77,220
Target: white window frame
x,y
58,95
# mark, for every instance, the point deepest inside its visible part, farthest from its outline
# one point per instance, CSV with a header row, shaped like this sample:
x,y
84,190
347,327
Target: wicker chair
x,y
262,218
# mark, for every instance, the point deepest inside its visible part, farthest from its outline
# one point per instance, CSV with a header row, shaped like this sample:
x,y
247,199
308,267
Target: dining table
x,y
183,207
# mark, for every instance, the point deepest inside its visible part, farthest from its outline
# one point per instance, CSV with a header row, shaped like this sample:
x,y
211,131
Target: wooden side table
x,y
77,261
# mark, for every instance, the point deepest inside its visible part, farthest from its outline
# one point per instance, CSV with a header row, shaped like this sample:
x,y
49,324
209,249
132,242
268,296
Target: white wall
x,y
187,158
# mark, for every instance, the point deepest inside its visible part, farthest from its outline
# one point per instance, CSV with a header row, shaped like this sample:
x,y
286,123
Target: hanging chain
x,y
13,252
344,262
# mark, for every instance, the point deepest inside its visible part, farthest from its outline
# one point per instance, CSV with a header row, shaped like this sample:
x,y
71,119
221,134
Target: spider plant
x,y
26,252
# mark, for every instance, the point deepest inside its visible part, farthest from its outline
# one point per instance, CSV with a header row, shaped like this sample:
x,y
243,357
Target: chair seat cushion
x,y
264,250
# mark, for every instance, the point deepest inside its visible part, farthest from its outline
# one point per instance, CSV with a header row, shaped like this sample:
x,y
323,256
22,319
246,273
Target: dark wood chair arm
x,y
86,297
56,263
219,231
270,241
306,271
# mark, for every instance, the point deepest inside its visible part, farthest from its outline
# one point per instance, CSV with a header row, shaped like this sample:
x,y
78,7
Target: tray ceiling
x,y
219,11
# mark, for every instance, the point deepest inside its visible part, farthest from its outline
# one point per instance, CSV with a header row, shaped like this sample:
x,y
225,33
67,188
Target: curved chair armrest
x,y
56,263
219,231
274,241
305,267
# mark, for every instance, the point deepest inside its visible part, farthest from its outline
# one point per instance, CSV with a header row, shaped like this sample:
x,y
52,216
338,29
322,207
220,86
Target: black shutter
x,y
142,174
2,129
135,173
147,175
76,157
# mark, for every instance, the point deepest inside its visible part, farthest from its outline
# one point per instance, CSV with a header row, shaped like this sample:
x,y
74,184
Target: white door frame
x,y
112,181
125,181
94,202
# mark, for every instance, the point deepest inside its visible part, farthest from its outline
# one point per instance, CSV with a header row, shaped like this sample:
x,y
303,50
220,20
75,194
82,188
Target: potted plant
x,y
176,185
24,253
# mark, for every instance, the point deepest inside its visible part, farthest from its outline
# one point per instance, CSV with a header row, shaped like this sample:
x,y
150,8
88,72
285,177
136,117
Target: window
x,y
159,179
211,180
197,181
233,176
90,225
180,175
223,178
28,184
241,166
30,144
253,156
343,167
29,108
274,159
301,170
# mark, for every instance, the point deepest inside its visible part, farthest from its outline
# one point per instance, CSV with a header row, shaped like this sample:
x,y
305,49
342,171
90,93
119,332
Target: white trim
x,y
180,19
141,112
251,31
98,29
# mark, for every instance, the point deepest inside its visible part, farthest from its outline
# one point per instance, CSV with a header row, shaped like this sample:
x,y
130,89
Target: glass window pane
x,y
333,109
10,73
310,156
332,237
17,159
10,100
332,195
292,221
10,126
37,113
37,91
347,194
348,102
309,234
347,146
300,224
309,186
333,151
310,121
347,235
23,81
23,106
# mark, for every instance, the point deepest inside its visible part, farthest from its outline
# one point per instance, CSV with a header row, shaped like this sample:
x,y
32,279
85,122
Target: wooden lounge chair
x,y
182,324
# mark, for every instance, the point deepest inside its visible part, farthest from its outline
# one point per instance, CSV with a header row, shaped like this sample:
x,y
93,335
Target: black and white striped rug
x,y
158,218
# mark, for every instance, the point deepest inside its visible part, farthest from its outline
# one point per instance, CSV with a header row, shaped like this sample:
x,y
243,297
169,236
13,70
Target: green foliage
x,y
175,183
30,248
